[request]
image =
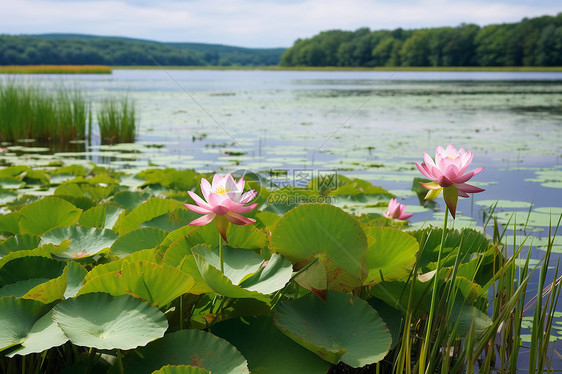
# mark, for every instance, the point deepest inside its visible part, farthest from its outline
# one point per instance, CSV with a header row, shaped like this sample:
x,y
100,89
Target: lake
x,y
369,125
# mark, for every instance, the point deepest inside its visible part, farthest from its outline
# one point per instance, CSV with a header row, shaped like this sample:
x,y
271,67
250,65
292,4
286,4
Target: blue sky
x,y
252,23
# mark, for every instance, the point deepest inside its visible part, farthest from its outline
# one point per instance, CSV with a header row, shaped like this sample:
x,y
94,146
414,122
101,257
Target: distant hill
x,y
531,42
79,49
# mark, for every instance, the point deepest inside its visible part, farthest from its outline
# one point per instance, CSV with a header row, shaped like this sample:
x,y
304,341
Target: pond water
x,y
370,125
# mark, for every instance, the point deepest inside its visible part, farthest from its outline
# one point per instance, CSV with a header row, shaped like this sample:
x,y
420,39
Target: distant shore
x,y
99,69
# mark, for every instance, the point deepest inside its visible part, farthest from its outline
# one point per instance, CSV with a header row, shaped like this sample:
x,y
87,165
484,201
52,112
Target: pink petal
x,y
215,199
463,194
243,209
428,160
239,219
464,178
444,181
198,200
197,209
205,188
468,188
220,210
202,221
423,170
405,216
248,196
217,180
478,170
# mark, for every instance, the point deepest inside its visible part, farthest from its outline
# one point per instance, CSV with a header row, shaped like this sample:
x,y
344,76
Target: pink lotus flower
x,y
448,174
224,202
396,210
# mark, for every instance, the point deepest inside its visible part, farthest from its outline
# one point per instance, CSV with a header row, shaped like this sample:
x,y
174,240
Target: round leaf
x,y
158,284
181,369
84,241
344,328
187,347
17,317
391,254
326,232
44,334
136,240
45,214
103,321
267,349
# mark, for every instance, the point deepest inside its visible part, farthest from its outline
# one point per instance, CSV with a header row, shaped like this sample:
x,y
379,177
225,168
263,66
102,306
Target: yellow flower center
x,y
221,190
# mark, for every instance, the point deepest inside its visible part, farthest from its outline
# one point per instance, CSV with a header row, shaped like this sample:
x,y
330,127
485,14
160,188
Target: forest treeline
x,y
62,49
531,42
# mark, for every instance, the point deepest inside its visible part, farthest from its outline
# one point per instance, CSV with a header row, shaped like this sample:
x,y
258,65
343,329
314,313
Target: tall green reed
x,y
33,112
117,120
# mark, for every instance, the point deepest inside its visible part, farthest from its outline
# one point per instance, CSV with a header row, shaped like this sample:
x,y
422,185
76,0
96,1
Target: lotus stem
x,y
220,254
426,344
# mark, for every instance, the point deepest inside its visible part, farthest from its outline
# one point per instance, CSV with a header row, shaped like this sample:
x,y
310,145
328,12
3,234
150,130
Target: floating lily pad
x,y
181,369
136,240
148,210
343,328
188,347
44,334
19,243
391,254
84,241
327,233
158,284
275,354
103,321
47,213
17,318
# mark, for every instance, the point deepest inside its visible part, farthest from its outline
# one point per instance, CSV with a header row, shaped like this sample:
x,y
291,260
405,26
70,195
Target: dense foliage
x,y
56,49
100,273
531,42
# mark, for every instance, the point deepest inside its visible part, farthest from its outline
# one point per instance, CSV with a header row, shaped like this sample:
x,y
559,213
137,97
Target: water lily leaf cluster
x,y
111,271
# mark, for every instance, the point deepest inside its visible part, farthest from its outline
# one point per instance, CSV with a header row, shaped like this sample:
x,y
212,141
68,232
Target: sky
x,y
252,23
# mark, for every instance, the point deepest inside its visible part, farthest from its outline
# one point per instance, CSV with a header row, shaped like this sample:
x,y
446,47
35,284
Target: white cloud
x,y
249,23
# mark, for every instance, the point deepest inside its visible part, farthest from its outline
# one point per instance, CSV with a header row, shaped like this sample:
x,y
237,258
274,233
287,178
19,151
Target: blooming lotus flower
x,y
396,210
448,173
223,202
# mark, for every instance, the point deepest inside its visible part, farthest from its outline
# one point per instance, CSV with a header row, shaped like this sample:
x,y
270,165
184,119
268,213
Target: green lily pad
x,y
343,328
180,369
327,233
136,240
103,321
102,216
391,254
10,222
19,243
17,318
240,265
130,199
187,347
158,284
44,334
45,214
30,267
275,353
239,236
84,241
152,208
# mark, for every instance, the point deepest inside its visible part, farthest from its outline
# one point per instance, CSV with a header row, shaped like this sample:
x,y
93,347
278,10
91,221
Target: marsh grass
x,y
32,112
117,120
55,69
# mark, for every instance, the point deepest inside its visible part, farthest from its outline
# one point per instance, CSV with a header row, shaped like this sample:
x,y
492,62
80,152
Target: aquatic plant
x,y
33,112
98,277
447,173
117,120
397,211
55,69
